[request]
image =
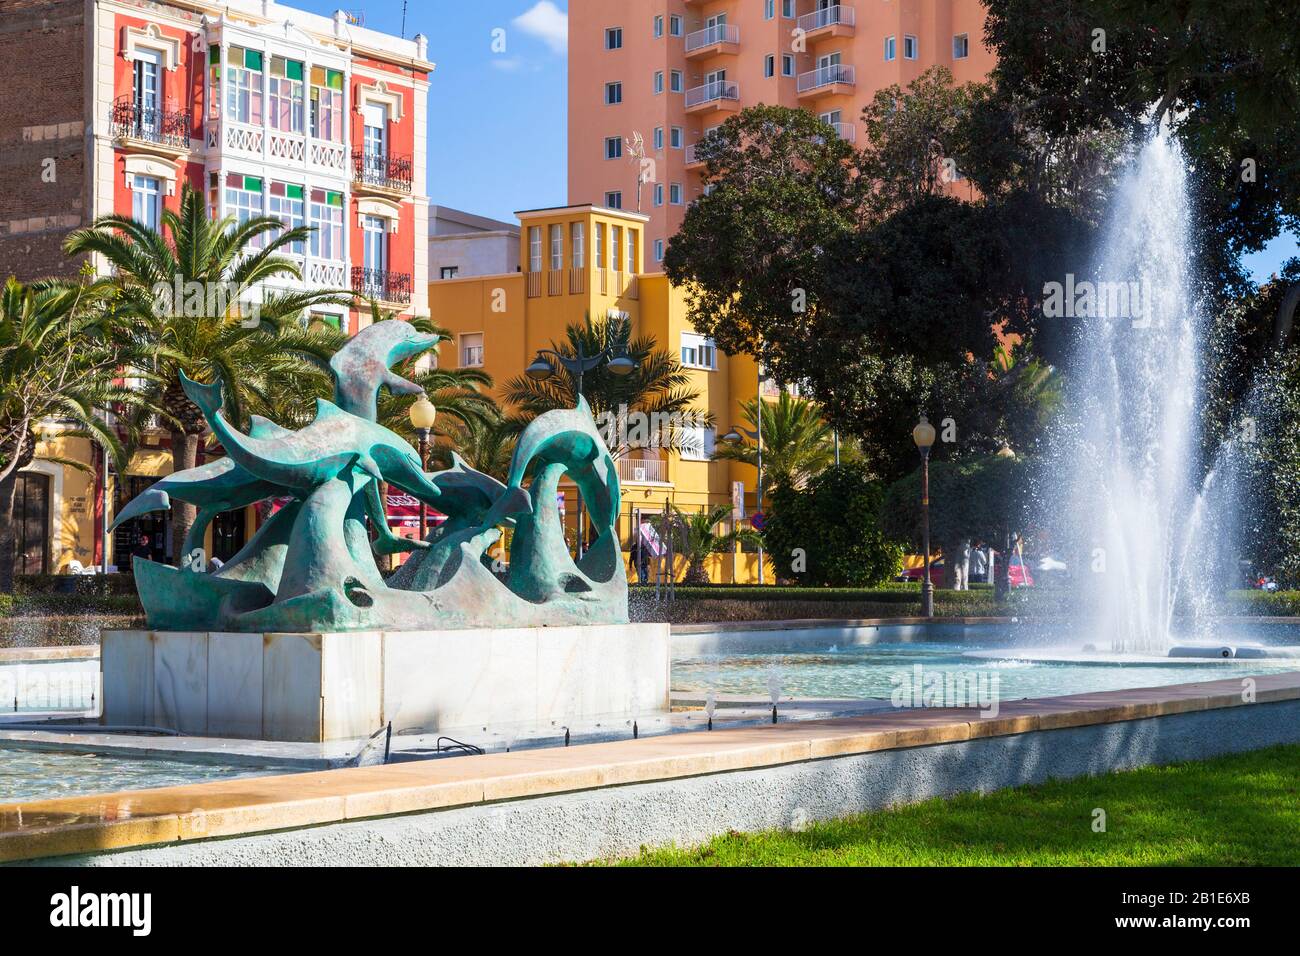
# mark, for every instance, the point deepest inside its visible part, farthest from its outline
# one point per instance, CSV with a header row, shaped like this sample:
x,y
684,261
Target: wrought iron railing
x,y
382,170
131,120
382,284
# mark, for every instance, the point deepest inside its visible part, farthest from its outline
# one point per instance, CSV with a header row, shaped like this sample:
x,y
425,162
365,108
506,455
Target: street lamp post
x,y
923,435
423,413
576,365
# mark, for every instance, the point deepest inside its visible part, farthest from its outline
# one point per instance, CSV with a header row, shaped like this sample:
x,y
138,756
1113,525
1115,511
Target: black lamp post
x,y
923,435
423,413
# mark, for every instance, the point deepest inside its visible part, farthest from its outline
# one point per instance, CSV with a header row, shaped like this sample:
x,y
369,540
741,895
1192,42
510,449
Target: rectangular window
x,y
890,48
615,247
675,25
600,245
613,147
631,251
659,27
449,272
787,9
557,246
659,137
374,238
244,201
286,203
698,443
146,201
326,211
787,64
374,134
659,194
534,248
471,350
326,106
614,38
285,94
675,81
659,250
960,46
614,200
244,86
613,94
677,137
675,194
769,9
659,82
577,245
769,65
909,47
699,352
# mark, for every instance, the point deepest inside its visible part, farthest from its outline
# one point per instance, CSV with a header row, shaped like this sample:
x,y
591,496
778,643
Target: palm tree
x,y
658,391
797,442
486,446
188,285
61,348
696,539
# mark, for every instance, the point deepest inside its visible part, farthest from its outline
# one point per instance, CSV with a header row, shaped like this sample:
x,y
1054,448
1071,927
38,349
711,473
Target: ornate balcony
x,y
382,172
157,130
391,287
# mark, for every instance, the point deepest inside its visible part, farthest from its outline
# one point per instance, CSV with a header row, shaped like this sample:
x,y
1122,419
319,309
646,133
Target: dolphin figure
x,y
335,443
364,365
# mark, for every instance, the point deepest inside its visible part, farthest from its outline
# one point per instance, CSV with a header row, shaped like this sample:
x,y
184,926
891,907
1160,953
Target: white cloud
x,y
548,23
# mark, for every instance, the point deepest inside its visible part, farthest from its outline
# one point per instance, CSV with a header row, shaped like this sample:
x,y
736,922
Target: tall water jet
x,y
1127,455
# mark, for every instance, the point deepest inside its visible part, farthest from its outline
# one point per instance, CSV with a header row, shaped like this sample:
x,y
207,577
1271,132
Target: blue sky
x,y
497,118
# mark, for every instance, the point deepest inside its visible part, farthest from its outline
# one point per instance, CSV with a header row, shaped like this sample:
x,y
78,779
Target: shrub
x,y
828,534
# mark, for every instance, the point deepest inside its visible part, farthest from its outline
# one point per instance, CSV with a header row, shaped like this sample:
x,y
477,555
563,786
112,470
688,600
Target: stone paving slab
x,y
225,808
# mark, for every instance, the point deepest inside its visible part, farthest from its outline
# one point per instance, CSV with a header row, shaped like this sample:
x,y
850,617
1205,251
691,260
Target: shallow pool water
x,y
875,670
44,775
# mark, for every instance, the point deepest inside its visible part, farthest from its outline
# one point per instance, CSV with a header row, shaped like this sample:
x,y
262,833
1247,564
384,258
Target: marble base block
x,y
316,687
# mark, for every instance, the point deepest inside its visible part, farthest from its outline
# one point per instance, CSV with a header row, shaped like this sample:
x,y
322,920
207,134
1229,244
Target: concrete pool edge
x,y
89,827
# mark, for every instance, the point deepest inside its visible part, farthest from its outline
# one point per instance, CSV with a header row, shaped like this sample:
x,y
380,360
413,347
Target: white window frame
x,y
675,83
659,137
147,201
614,93
910,41
577,244
557,247
675,25
677,138
769,66
698,352
614,199
787,64
614,143
659,250
534,248
659,194
659,27
613,38
891,48
675,194
962,39
291,212
465,346
659,82
698,443
327,236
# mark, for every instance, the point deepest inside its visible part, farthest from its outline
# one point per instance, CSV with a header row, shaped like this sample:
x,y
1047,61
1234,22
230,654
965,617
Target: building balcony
x,y
155,130
718,95
384,173
835,21
846,131
836,79
268,145
391,288
640,471
693,160
720,38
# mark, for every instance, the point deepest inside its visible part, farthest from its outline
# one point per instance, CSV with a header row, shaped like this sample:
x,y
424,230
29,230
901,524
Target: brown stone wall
x,y
43,153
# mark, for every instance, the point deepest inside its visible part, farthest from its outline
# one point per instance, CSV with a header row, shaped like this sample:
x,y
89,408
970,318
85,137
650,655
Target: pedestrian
x,y
648,546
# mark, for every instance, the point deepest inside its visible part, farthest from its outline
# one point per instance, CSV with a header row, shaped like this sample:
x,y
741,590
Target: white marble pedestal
x,y
316,687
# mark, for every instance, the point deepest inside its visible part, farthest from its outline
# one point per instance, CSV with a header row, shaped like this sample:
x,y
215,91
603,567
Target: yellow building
x,y
587,260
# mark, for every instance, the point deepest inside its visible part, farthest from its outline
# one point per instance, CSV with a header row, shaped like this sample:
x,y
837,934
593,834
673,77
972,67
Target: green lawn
x,y
1237,810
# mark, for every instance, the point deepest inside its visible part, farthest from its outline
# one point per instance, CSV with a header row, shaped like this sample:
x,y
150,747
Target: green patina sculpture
x,y
311,567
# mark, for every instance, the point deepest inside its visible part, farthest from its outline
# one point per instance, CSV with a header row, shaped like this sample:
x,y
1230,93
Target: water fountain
x,y
1127,459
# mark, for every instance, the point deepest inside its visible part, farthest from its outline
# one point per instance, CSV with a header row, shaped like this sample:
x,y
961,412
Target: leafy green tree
x,y
984,498
828,534
61,349
209,329
696,537
797,442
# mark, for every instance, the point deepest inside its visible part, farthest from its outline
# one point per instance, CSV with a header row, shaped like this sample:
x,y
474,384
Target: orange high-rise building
x,y
671,70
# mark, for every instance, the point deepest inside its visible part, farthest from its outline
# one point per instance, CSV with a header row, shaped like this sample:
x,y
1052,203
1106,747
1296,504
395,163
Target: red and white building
x,y
266,110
